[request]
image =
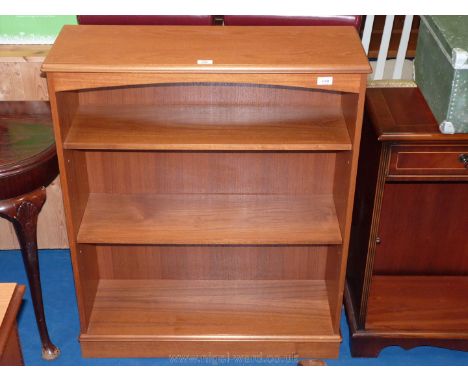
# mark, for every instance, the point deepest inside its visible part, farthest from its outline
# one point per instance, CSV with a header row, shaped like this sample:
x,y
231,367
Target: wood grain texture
x,y
24,53
124,347
21,82
77,81
191,127
6,294
178,48
23,137
428,160
214,262
28,161
343,195
419,303
51,228
212,309
11,295
209,219
369,343
413,246
208,94
426,234
75,192
157,236
12,354
296,173
20,72
396,121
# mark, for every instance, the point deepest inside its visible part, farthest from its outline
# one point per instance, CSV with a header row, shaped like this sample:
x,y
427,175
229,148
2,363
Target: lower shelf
x,y
150,318
419,304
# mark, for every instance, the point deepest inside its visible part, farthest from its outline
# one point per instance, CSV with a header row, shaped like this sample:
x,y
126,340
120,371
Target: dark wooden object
x,y
10,301
407,279
28,163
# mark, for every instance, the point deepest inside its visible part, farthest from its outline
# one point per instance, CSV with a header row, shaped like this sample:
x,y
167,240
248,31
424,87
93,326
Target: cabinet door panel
x,y
423,229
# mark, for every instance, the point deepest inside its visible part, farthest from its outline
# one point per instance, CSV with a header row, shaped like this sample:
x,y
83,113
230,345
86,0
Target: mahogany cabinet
x,y
208,179
407,280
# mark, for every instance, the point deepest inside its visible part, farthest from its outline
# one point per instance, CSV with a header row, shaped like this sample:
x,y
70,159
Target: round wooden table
x,y
28,163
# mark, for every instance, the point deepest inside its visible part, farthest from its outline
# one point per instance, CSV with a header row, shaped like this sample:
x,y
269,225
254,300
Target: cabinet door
x,y
423,229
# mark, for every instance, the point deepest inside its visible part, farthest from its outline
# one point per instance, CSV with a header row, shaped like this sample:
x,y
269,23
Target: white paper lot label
x,y
205,62
324,80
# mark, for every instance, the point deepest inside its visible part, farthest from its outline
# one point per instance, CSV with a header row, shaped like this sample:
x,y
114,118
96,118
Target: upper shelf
x,y
201,127
207,49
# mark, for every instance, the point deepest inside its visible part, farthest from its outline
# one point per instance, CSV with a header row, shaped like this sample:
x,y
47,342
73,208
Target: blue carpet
x,y
62,319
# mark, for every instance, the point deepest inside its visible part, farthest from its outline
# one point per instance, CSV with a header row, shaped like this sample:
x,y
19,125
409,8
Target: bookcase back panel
x,y
212,262
208,172
209,94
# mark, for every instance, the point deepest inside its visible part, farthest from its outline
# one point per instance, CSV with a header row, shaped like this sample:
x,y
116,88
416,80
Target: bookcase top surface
x,y
207,49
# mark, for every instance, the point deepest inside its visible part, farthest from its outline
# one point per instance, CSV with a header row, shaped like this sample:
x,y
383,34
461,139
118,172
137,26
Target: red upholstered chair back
x,y
144,20
292,20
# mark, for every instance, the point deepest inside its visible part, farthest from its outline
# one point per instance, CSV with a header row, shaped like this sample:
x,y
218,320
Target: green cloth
x,y
32,29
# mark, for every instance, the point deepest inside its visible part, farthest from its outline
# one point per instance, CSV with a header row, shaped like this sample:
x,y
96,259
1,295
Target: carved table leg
x,y
23,212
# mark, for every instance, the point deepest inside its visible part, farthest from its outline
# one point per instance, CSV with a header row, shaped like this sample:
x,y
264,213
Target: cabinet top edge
x,y
206,49
402,114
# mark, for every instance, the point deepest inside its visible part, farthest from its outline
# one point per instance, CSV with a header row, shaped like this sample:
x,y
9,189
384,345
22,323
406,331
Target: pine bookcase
x,y
208,180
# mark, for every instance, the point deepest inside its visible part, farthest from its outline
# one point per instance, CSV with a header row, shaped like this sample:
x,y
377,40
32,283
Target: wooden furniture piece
x,y
208,178
28,163
10,302
407,280
21,80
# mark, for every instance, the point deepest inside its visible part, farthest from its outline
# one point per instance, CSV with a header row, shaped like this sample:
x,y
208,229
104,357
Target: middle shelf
x,y
205,219
208,127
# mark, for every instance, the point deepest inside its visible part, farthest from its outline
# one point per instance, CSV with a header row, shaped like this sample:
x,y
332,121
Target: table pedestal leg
x,y
23,212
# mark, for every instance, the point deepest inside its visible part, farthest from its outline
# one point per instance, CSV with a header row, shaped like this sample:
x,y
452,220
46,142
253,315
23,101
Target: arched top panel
x,y
349,83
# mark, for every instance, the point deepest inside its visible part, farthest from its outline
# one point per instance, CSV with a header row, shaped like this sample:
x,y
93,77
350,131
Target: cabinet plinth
x,y
208,206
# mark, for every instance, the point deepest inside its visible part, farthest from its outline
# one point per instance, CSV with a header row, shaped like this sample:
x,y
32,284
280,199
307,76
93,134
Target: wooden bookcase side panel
x,y
211,262
87,274
75,187
343,193
67,106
